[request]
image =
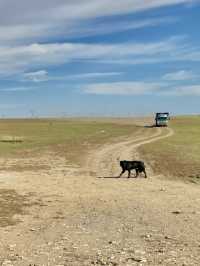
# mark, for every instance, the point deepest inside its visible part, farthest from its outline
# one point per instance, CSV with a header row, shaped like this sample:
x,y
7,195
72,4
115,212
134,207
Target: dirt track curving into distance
x,y
105,160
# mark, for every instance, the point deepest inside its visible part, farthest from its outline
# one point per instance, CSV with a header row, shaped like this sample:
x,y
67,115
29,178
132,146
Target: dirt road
x,y
103,161
87,216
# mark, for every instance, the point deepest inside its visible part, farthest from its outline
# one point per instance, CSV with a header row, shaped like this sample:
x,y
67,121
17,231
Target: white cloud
x,y
96,8
38,76
179,75
25,24
22,58
38,20
15,89
17,33
93,28
94,75
29,33
191,90
122,88
192,55
42,75
141,88
51,10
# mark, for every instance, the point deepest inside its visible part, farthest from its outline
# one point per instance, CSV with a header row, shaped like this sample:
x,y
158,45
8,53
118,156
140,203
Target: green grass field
x,y
179,155
70,138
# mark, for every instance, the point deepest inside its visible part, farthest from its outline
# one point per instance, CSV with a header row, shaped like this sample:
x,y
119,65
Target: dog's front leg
x,y
137,172
129,173
123,171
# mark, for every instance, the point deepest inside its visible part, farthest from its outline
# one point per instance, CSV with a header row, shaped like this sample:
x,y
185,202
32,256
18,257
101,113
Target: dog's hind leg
x,y
145,174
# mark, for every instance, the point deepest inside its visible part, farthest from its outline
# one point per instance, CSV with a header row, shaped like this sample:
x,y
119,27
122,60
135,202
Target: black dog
x,y
130,165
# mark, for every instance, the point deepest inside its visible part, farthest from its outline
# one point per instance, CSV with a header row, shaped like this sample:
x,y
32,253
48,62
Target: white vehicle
x,y
162,119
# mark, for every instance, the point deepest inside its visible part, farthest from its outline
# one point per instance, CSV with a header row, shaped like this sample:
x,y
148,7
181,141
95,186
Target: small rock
x,y
147,236
176,212
114,263
135,259
162,189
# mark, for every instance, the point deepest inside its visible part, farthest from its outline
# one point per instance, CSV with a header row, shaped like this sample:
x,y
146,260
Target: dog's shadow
x,y
108,177
115,177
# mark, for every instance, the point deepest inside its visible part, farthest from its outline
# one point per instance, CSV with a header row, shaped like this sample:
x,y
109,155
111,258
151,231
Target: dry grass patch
x,y
12,205
68,138
179,155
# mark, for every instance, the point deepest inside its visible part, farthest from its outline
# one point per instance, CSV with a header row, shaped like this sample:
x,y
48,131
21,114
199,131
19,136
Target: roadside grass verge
x,y
66,137
179,155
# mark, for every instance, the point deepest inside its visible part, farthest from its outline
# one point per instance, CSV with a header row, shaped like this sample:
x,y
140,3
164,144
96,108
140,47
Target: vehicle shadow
x,y
149,126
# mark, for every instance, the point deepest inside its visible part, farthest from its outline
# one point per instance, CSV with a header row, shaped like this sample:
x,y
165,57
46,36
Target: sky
x,y
99,57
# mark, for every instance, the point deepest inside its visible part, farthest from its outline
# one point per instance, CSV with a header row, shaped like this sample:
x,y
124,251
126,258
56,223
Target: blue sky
x,y
99,57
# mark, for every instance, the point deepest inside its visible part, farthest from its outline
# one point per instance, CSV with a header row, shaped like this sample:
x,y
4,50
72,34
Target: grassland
x,y
71,138
179,155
